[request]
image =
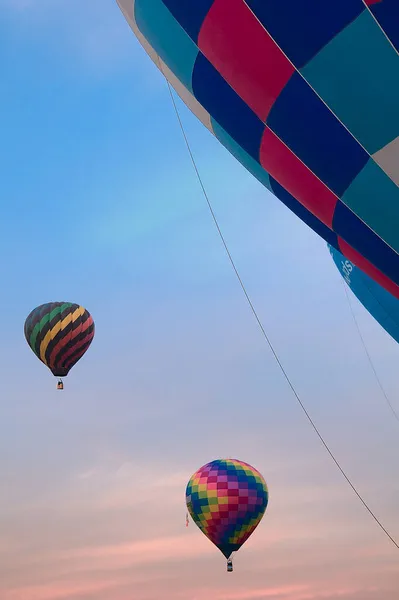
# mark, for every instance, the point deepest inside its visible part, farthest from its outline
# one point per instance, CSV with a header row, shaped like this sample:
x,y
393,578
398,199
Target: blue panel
x,y
374,197
380,304
167,38
357,77
271,184
366,242
302,27
190,15
387,13
247,161
304,123
303,213
226,107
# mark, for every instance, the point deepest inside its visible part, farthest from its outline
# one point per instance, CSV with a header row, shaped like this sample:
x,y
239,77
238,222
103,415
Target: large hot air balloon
x,y
227,500
306,96
59,333
380,304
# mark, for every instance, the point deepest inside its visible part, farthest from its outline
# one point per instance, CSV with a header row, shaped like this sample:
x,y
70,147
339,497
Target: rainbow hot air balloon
x,y
59,333
227,500
305,95
376,300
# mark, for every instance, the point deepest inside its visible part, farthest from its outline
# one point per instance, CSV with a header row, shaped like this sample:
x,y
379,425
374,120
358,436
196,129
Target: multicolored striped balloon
x,y
59,333
305,95
227,500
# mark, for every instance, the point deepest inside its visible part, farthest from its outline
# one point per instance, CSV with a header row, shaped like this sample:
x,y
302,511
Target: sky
x,y
100,206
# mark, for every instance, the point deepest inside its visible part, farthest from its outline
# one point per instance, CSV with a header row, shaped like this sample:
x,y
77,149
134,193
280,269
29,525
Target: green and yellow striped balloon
x,y
59,333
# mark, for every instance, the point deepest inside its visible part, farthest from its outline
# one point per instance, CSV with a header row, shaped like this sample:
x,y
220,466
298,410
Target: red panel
x,y
244,54
65,340
68,364
368,268
371,2
286,168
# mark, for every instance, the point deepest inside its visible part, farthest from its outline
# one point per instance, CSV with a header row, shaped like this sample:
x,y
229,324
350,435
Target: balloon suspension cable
x,y
395,414
261,327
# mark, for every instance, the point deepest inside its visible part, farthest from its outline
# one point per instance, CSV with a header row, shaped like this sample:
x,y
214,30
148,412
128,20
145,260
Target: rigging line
x,y
395,414
291,385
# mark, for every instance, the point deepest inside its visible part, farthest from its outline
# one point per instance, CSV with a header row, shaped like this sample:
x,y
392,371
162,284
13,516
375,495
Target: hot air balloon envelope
x,y
305,95
59,333
227,500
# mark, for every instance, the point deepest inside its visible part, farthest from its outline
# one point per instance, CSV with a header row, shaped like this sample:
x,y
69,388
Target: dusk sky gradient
x,y
101,206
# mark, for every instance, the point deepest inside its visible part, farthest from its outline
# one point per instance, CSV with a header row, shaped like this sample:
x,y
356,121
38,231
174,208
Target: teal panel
x,y
380,304
239,153
357,75
167,38
374,197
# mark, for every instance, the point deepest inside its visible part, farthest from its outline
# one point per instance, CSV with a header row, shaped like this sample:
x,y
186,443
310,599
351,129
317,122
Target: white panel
x,y
388,159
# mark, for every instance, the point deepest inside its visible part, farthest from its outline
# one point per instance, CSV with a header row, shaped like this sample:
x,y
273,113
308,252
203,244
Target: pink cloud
x,y
146,551
269,592
297,592
57,592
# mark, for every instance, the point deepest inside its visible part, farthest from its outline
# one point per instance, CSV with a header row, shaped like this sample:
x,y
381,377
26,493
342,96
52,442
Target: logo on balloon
x,y
347,268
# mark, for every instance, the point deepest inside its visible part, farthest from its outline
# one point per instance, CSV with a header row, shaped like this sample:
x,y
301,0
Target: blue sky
x,y
101,206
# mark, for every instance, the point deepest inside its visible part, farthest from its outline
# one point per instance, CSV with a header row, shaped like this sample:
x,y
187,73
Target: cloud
x,y
61,591
269,592
147,551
